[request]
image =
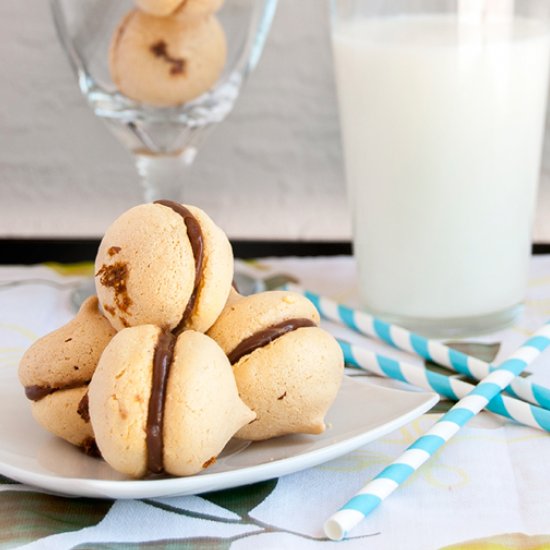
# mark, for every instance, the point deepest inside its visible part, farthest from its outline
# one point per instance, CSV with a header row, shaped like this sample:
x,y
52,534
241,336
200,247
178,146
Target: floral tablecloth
x,y
488,488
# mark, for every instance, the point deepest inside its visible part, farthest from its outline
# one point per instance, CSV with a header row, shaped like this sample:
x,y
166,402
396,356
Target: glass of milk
x,y
442,108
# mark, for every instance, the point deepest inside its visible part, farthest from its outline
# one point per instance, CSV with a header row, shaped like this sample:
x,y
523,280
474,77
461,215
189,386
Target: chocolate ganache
x,y
162,360
36,393
263,337
197,246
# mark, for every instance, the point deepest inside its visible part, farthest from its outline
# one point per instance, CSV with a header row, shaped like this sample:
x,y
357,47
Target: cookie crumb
x,y
209,462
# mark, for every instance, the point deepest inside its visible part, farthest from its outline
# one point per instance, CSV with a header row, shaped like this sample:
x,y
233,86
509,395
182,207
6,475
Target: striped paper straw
x,y
503,405
385,483
434,351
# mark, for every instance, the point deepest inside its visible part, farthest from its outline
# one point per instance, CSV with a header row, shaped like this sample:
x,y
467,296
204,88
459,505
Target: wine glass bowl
x,y
163,140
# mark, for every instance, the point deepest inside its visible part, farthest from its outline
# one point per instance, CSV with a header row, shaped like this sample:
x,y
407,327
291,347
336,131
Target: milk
x,y
442,127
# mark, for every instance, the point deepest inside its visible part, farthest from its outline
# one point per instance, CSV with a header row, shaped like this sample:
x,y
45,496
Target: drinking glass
x,y
442,107
163,140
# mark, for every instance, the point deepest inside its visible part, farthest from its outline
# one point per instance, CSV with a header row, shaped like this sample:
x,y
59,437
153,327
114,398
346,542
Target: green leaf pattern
x,y
242,500
28,516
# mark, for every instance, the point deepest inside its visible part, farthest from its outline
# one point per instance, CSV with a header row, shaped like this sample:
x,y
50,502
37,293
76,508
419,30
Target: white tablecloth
x,y
490,484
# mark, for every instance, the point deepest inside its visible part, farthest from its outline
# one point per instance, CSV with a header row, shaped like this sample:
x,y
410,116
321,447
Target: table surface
x,y
487,488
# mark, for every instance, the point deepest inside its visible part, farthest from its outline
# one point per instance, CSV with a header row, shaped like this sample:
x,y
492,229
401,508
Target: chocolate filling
x,y
36,393
164,352
114,250
266,336
160,49
83,409
197,246
115,276
89,446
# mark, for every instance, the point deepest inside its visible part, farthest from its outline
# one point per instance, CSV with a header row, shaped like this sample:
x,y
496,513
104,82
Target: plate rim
x,y
195,485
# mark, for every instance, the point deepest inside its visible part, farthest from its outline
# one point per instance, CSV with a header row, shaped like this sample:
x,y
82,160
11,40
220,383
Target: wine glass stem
x,y
162,176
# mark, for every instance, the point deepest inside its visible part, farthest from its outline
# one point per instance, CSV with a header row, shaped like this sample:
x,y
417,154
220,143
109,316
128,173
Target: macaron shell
x,y
161,8
166,61
217,273
202,409
68,355
148,250
233,297
119,398
243,318
290,383
58,414
197,8
185,8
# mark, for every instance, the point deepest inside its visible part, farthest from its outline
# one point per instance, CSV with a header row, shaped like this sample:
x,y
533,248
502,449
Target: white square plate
x,y
361,413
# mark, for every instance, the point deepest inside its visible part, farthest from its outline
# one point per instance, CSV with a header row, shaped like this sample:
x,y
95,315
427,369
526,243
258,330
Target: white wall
x,y
271,170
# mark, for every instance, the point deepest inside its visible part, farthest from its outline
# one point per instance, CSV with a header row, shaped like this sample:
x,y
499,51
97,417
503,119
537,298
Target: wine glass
x,y
163,140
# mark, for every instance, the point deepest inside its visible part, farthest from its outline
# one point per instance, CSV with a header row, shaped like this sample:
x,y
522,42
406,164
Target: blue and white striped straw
x,y
431,350
452,388
367,499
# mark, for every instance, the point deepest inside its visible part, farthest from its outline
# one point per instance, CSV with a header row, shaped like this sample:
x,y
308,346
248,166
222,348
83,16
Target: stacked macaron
x,y
165,264
164,403
288,370
56,370
169,362
168,52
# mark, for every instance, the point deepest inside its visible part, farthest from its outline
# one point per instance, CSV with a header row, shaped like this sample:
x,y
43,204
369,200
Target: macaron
x,y
164,264
197,8
56,370
166,61
182,8
161,403
160,8
287,369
